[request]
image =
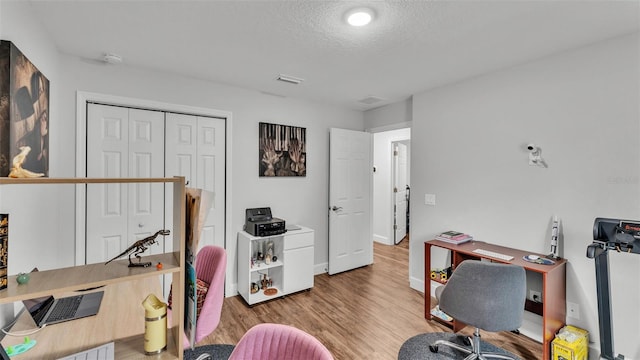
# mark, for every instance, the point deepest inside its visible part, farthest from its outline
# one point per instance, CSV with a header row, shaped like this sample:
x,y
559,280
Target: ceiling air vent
x,y
289,79
369,100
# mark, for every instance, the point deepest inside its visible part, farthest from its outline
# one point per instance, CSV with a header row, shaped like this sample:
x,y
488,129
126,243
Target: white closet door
x,y
195,149
122,142
146,160
211,175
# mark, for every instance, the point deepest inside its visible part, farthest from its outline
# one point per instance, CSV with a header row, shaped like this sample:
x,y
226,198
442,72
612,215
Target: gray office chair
x,y
486,295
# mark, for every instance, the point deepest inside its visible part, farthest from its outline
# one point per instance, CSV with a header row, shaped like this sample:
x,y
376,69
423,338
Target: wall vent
x,y
370,100
289,79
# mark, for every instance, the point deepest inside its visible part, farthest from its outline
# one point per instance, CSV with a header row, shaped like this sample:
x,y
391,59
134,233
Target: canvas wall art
x,y
24,112
282,150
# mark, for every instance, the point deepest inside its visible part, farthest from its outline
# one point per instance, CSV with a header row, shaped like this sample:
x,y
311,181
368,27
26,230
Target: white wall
x,y
297,200
582,108
391,117
383,183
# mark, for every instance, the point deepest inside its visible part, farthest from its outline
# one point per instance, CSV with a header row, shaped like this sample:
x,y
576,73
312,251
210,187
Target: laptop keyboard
x,y
65,308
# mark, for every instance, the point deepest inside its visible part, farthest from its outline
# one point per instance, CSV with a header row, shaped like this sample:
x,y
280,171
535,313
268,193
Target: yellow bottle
x,y
155,325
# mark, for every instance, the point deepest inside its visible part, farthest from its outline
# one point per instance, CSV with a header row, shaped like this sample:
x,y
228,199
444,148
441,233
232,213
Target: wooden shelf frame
x,y
58,281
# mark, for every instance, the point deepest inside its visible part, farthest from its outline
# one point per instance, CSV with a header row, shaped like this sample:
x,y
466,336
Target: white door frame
x,y
82,98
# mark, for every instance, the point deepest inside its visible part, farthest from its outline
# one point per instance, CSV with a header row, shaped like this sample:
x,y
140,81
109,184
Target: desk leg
x,y
554,306
427,281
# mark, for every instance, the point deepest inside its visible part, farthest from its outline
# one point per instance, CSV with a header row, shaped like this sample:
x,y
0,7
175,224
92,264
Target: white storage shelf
x,y
291,272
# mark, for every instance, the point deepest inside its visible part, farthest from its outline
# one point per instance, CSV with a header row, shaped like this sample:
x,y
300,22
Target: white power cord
x,y
22,333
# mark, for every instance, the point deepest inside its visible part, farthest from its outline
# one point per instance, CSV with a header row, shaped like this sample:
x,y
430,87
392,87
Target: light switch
x,y
429,199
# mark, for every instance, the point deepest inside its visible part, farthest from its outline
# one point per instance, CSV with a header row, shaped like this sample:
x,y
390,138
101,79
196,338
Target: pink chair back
x,y
279,342
211,265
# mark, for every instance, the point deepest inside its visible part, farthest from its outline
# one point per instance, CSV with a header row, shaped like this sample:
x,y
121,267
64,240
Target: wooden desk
x,y
553,283
120,319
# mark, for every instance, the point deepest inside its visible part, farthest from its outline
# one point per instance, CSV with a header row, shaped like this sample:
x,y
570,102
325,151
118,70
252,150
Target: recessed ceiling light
x,y
360,17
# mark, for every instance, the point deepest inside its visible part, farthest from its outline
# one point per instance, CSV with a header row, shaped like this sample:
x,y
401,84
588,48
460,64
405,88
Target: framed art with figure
x,y
282,150
24,113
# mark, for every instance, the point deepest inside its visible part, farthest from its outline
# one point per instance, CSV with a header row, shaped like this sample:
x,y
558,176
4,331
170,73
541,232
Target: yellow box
x,y
571,343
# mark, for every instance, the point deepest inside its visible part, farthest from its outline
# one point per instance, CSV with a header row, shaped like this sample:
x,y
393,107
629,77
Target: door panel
x,y
146,200
127,143
350,223
211,167
196,149
107,139
400,195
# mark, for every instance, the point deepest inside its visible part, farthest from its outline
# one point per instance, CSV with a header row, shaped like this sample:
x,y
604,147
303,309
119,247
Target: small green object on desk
x,y
20,348
22,278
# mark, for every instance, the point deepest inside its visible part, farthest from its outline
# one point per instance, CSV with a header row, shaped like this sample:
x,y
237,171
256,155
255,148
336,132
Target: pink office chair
x,y
279,342
211,265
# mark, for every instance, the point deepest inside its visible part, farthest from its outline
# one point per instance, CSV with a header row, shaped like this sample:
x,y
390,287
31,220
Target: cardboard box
x,y
24,111
571,343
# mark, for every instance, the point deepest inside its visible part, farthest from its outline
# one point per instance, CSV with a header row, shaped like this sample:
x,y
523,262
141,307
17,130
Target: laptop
x,y
47,310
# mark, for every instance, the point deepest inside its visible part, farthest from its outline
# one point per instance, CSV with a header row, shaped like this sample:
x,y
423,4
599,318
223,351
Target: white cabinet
x,y
292,270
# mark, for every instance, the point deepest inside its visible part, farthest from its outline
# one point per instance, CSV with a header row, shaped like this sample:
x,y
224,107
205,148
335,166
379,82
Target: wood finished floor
x,y
366,313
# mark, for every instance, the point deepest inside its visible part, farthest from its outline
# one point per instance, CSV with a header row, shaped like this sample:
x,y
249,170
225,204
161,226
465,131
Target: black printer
x,y
259,222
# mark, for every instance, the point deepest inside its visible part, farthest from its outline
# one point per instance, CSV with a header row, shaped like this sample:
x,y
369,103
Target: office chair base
x,y
474,352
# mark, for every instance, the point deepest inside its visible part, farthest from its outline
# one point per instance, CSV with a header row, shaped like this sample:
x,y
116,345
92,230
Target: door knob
x,y
140,225
336,208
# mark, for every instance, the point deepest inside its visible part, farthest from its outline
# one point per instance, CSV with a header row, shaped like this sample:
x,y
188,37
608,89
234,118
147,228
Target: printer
x,y
259,222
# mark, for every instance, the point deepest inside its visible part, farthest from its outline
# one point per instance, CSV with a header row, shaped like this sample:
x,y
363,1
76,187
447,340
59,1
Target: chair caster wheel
x,y
433,348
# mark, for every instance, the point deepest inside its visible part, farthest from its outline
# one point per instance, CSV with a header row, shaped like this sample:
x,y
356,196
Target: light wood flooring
x,y
366,313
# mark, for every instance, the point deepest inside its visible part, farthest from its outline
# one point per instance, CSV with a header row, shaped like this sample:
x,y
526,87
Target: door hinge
x,y
395,189
395,227
395,153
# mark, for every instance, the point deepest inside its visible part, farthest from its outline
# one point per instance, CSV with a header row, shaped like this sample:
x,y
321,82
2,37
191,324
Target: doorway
x,y
388,203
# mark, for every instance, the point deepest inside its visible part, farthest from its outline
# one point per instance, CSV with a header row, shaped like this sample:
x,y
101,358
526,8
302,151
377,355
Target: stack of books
x,y
454,237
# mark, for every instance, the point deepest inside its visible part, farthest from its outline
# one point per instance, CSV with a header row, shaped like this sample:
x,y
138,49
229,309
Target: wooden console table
x,y
553,307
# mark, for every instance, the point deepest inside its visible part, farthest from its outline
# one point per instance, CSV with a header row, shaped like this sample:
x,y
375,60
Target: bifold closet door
x,y
195,149
123,142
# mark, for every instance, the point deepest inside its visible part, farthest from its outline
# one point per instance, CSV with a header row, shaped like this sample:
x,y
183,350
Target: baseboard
x,y
382,239
321,268
233,291
416,284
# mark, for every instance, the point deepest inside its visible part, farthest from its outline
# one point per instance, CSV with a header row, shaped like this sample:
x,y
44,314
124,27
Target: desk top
x,y
468,248
121,316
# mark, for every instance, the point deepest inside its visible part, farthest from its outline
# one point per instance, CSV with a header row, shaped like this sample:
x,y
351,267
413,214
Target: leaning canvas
x,y
24,112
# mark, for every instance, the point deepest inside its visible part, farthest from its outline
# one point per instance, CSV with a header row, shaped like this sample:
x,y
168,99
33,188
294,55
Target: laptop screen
x,y
38,306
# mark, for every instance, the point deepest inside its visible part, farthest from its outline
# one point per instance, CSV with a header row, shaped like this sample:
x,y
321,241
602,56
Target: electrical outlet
x,y
573,310
535,296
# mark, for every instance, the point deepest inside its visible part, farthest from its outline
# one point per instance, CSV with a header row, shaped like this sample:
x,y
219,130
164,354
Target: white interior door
x,y
400,191
122,142
350,215
195,149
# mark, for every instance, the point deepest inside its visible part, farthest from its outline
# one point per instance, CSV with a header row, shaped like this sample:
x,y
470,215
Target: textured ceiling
x,y
411,46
